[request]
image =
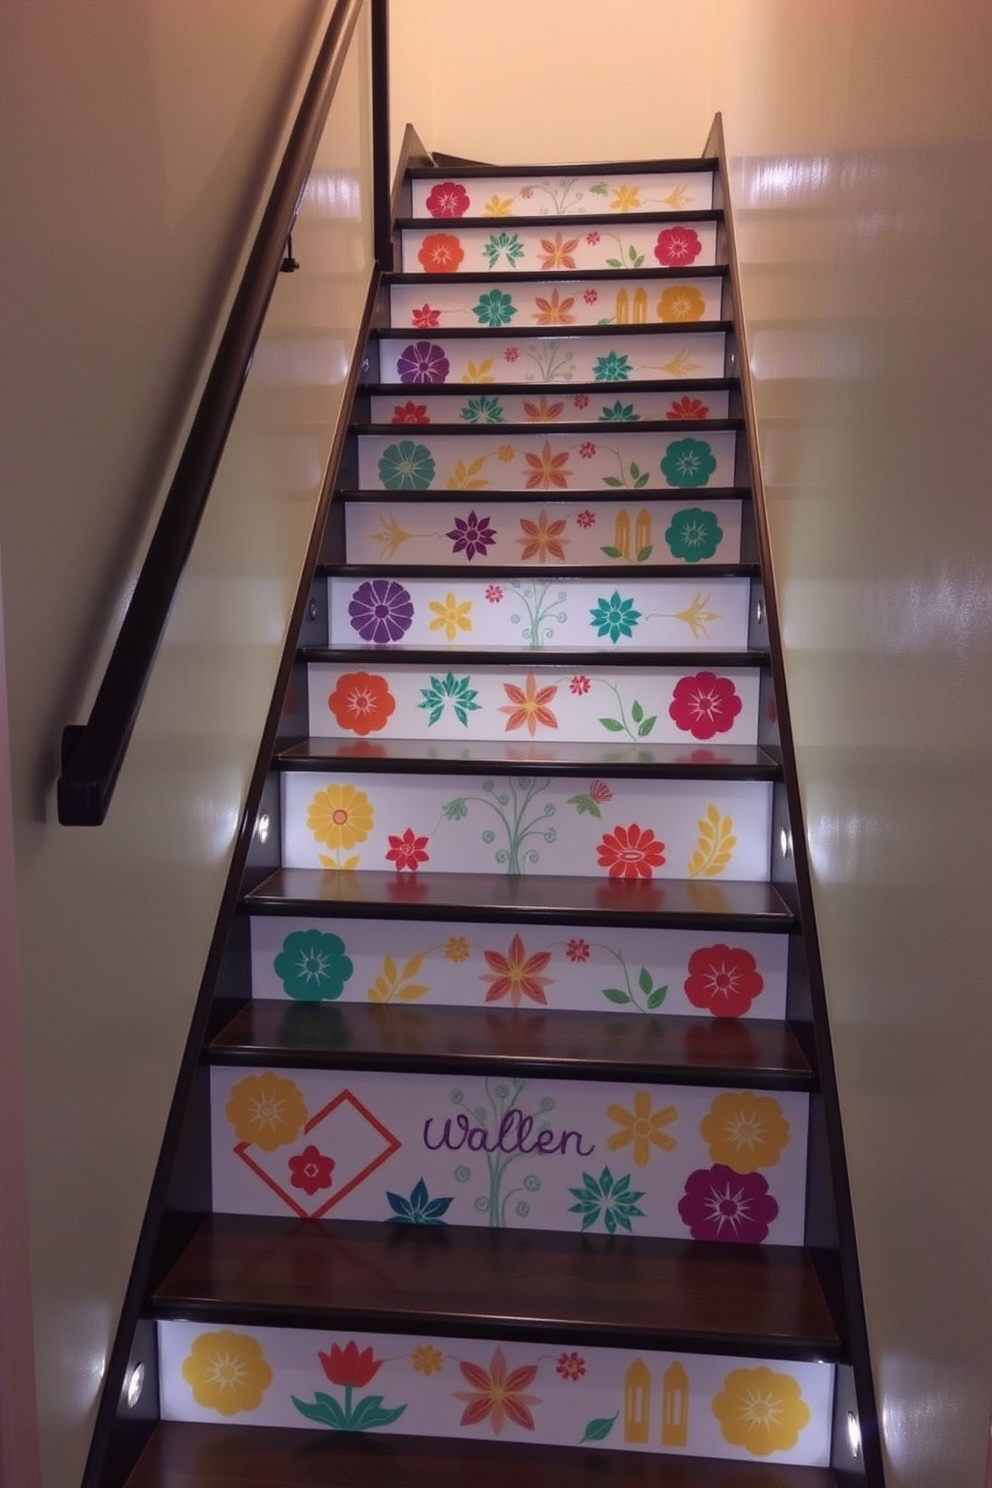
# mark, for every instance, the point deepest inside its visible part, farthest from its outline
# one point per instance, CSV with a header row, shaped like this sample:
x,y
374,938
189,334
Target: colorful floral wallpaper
x,y
448,405
577,194
576,302
425,359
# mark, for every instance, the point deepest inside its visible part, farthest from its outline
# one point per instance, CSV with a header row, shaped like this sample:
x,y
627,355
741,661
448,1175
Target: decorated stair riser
x,y
759,1410
574,301
698,973
616,829
598,405
429,358
602,243
670,1161
565,194
545,613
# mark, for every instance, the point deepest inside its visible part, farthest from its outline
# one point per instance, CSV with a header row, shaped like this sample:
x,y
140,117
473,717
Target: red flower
x,y
346,1366
677,246
577,950
590,296
688,408
586,519
407,851
719,1204
516,974
410,413
579,685
510,354
570,1366
494,593
448,199
631,852
600,791
311,1170
426,319
440,253
587,450
362,702
705,705
498,1395
592,239
723,980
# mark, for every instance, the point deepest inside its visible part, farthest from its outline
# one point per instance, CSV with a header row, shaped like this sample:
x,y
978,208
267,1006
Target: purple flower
x,y
423,362
719,1204
471,535
381,611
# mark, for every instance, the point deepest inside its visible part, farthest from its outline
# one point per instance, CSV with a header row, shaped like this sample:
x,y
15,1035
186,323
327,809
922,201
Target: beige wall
x,y
138,135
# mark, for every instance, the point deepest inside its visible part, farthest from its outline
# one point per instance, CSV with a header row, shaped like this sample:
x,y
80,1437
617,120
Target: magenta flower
x,y
719,1204
677,246
311,1170
422,361
381,611
448,199
494,593
471,535
705,705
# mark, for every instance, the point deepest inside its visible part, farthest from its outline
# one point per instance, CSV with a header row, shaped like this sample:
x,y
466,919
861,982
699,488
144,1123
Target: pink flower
x,y
586,519
510,354
410,413
407,851
587,450
579,685
724,980
311,1170
570,1366
590,296
677,246
426,319
581,400
577,950
719,1204
600,791
448,199
592,239
494,593
705,705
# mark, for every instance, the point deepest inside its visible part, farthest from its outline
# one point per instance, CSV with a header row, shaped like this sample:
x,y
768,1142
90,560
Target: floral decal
x,y
406,466
422,361
410,413
453,690
688,462
350,1370
517,975
426,1358
418,1209
440,253
499,206
407,851
716,844
642,1129
227,1372
612,368
761,1411
681,302
498,1395
558,252
723,980
694,535
451,616
395,983
311,1170
426,318
362,702
553,310
494,308
721,1204
341,816
505,245
705,705
482,411
529,706
457,948
619,413
547,469
448,199
312,966
609,1199
630,852
571,1366
266,1110
677,246
543,412
471,535
687,408
615,617
745,1131
542,539
381,611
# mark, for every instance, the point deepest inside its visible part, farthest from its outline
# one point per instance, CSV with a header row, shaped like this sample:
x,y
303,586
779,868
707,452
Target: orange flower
x,y
362,702
547,469
688,408
543,412
681,302
631,852
498,1395
542,538
528,707
553,311
440,253
558,252
516,975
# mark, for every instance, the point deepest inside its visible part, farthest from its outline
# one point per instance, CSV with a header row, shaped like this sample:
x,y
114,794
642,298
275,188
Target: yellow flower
x,y
681,302
626,199
761,1411
227,1372
498,206
427,1360
457,948
641,1128
451,618
266,1110
479,373
340,816
391,535
745,1131
505,453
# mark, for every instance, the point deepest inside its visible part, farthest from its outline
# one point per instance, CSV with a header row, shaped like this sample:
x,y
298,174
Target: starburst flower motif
x,y
497,1395
615,617
543,412
722,1204
761,1411
451,616
312,966
266,1110
745,1130
681,302
516,975
471,535
641,1128
609,1199
553,310
529,706
547,469
448,199
677,246
542,539
558,252
440,253
227,1372
362,702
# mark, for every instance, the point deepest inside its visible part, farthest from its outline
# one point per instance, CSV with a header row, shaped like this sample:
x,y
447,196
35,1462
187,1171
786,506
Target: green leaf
x,y
632,253
635,470
369,1413
615,994
615,263
641,481
584,805
613,724
612,552
606,320
599,1428
638,261
657,997
646,727
645,980
323,1409
645,553
636,712
601,190
435,714
611,480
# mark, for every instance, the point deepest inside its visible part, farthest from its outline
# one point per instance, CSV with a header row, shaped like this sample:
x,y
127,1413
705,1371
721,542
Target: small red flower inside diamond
x,y
587,449
577,950
579,685
494,593
311,1170
586,519
407,851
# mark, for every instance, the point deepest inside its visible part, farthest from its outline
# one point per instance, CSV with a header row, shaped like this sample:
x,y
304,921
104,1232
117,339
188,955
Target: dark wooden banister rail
x,y
92,754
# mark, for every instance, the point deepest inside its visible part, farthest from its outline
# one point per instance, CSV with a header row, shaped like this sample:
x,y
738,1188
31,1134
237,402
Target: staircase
x,y
519,1156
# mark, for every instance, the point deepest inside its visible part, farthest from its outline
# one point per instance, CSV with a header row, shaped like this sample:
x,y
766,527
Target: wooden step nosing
x,y
564,660
558,575
557,277
583,221
542,430
698,165
507,389
665,328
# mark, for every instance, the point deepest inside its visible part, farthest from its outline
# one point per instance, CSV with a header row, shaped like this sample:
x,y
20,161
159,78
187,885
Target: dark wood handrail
x,y
92,754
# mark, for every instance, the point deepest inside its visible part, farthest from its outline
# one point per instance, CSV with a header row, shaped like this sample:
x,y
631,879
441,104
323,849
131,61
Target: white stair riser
x,y
637,707
421,406
514,1153
449,247
540,614
575,302
414,361
532,194
695,973
637,1400
520,824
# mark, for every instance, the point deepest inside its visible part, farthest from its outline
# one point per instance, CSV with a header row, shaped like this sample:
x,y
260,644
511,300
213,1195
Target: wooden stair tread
x,y
187,1455
449,167
630,1290
649,272
566,1043
542,898
453,757
574,426
560,660
583,222
606,388
611,575
667,328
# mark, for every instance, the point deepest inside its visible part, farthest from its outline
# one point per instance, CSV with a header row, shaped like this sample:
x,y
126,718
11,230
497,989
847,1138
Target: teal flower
x,y
615,617
694,534
482,411
607,1198
494,308
406,467
612,368
449,689
620,413
418,1209
312,966
688,462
